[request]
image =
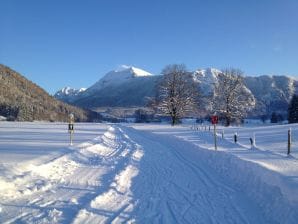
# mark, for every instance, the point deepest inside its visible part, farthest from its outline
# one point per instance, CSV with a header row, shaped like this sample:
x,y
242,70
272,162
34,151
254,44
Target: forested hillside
x,y
22,100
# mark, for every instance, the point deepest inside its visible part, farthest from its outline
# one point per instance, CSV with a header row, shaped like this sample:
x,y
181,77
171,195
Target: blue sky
x,y
74,43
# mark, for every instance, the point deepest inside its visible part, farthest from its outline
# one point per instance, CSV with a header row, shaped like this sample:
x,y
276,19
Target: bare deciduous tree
x,y
232,100
177,92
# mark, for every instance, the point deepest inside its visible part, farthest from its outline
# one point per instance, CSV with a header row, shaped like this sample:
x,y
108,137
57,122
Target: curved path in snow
x,y
168,183
128,176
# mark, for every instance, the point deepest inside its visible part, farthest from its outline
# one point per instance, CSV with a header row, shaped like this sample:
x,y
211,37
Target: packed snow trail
x,y
127,175
56,191
169,184
175,186
114,202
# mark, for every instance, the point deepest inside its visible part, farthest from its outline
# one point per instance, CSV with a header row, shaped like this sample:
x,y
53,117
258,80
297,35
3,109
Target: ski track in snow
x,y
55,192
173,188
130,176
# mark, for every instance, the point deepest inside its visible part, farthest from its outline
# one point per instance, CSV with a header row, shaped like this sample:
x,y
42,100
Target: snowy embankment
x,y
140,173
264,173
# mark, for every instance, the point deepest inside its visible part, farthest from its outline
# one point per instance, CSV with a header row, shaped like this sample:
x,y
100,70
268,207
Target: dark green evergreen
x,y
293,110
274,118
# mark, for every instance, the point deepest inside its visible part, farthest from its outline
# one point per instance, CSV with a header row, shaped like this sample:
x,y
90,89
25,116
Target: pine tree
x,y
293,110
274,118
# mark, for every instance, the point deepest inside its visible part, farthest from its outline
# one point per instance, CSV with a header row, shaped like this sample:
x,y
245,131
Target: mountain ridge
x,y
117,77
272,93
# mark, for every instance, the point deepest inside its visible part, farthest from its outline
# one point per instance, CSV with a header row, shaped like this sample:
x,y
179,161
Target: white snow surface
x,y
68,91
207,79
119,76
141,173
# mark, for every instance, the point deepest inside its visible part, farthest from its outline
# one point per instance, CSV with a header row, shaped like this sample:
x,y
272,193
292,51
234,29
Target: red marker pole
x,y
214,121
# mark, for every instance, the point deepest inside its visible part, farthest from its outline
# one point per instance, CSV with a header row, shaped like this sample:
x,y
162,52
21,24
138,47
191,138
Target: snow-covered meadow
x,y
143,173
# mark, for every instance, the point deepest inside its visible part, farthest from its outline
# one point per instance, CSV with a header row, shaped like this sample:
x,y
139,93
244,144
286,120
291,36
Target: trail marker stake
x,y
252,141
70,127
235,137
215,138
289,141
214,120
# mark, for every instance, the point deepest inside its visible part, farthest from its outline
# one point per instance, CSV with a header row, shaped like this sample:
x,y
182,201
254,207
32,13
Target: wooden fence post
x,y
289,141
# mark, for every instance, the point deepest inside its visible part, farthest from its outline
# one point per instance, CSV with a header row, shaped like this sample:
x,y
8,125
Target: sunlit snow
x,y
142,173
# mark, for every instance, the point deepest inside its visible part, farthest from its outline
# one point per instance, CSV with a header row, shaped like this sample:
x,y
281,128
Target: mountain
x,y
22,100
118,77
68,94
131,86
273,93
295,86
126,87
206,78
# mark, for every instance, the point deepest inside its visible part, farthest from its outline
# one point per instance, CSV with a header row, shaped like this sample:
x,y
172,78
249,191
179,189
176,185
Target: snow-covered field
x,y
146,174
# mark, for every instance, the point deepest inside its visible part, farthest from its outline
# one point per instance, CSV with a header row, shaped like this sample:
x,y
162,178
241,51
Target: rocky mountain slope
x,y
131,87
22,100
273,93
68,94
126,87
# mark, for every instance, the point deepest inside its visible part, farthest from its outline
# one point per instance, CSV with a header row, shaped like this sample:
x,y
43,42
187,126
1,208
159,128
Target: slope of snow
x,y
117,77
208,75
273,93
295,84
68,91
127,85
136,72
145,174
207,78
68,94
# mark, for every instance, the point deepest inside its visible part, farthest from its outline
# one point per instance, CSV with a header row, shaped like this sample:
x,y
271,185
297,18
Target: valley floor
x,y
145,174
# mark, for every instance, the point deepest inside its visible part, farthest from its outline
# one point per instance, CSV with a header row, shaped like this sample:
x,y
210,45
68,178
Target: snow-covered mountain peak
x,y
67,94
119,76
208,76
66,90
136,72
82,89
208,72
70,91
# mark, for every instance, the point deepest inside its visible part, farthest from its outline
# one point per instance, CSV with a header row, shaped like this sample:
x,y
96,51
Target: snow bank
x,y
263,185
2,118
267,178
163,174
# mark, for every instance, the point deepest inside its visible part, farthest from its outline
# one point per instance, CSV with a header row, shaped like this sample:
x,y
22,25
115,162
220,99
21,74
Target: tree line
x,y
179,96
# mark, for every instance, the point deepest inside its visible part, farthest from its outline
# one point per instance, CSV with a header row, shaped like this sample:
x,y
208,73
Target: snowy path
x,y
54,192
174,185
127,175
